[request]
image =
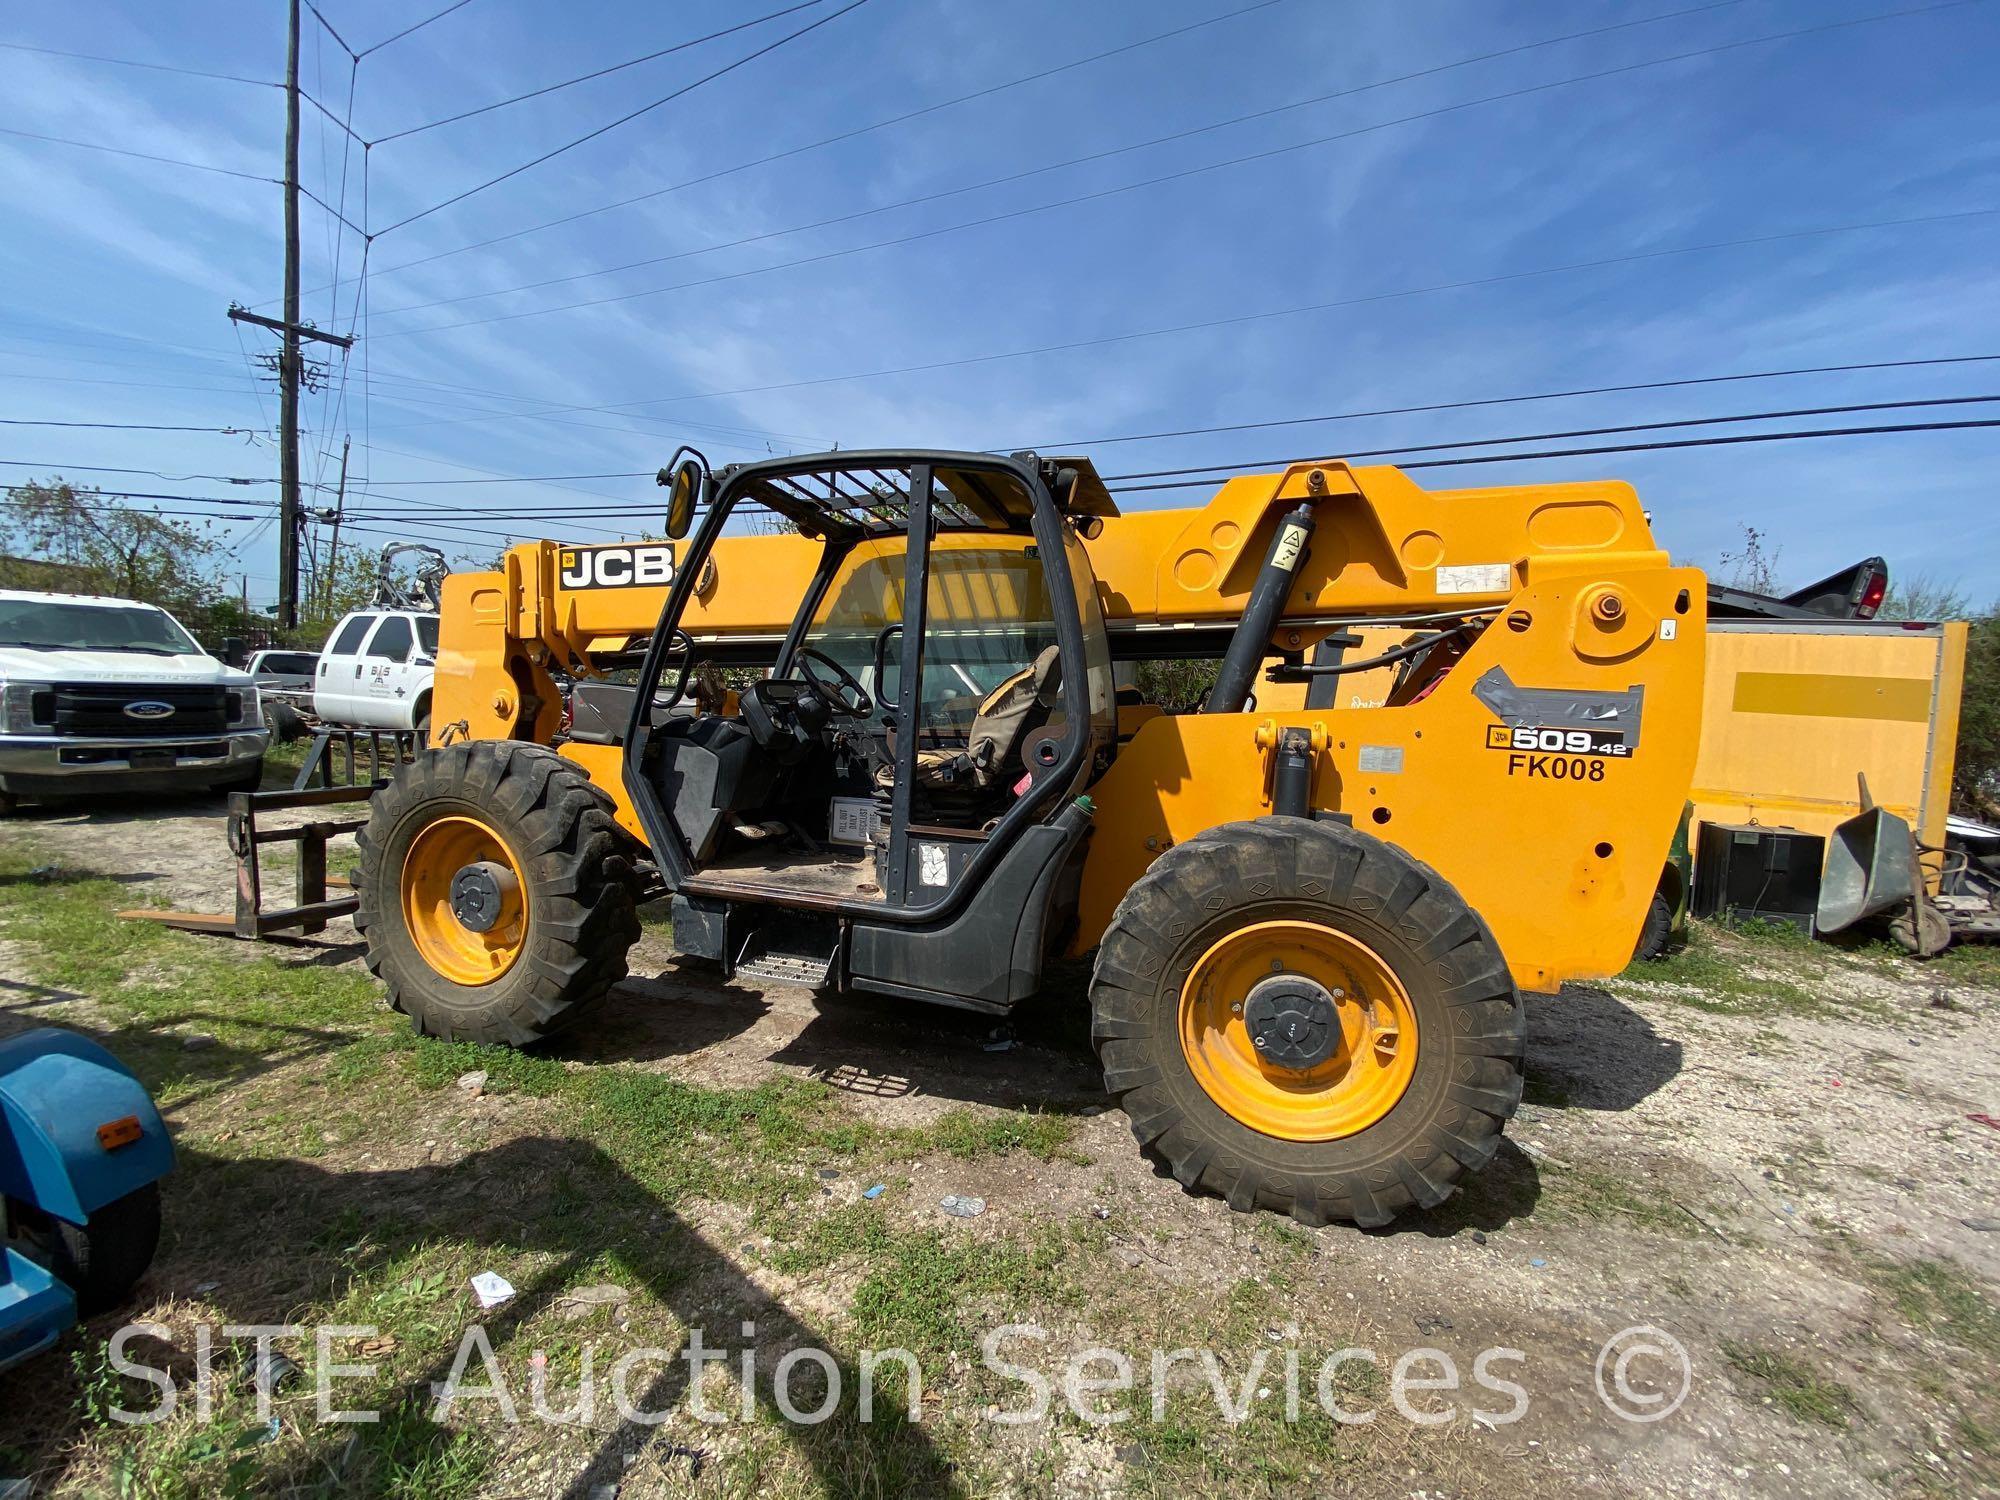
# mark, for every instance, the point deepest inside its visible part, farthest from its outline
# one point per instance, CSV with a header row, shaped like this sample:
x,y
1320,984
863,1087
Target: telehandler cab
x,y
1311,927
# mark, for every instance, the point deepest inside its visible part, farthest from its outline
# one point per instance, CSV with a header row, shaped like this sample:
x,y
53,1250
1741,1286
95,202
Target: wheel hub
x,y
1292,1021
478,894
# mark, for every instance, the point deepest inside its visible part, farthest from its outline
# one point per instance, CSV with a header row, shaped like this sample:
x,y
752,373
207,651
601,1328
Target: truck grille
x,y
100,710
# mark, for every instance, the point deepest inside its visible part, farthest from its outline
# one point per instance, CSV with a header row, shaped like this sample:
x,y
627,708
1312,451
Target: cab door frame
x,y
1035,806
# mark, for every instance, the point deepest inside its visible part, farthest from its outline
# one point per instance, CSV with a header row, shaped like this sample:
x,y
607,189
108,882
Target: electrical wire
x,y
847,135
1731,439
1435,406
587,77
1182,174
626,119
1578,432
1239,319
119,426
1056,166
407,30
130,62
165,161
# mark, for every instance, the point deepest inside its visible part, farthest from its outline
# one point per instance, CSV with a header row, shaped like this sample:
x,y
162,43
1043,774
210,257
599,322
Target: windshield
x,y
93,627
297,663
988,620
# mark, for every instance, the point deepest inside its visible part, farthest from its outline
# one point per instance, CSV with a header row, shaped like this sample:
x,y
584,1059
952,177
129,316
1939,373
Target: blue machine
x,y
82,1150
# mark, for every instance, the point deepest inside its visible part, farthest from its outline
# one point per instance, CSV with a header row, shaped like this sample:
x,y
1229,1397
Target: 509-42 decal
x,y
1553,754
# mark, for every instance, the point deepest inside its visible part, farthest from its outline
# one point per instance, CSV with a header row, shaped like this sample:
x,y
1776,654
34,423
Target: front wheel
x,y
1300,1017
495,892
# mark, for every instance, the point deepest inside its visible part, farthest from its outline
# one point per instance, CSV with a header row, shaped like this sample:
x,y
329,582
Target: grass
x,y
1750,969
362,1186
1805,1395
1941,1298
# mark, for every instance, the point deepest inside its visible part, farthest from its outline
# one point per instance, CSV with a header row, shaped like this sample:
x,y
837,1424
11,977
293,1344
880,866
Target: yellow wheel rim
x,y
1370,1061
439,851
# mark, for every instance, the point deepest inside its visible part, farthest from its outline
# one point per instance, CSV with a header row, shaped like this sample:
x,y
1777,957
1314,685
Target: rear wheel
x,y
496,892
102,1259
1300,1017
1657,929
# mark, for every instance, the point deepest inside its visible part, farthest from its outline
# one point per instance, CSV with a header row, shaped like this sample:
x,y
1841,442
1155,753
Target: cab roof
x,y
867,492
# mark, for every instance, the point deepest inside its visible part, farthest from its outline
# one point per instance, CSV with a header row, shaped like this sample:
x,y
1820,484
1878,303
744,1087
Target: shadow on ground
x,y
1587,1049
295,1233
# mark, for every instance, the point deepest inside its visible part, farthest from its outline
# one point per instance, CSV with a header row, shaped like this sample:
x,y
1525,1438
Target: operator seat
x,y
955,785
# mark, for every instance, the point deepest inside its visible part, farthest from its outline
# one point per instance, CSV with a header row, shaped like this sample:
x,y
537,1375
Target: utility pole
x,y
290,369
339,507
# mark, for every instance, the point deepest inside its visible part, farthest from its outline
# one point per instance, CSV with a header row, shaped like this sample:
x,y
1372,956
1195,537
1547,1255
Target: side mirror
x,y
685,481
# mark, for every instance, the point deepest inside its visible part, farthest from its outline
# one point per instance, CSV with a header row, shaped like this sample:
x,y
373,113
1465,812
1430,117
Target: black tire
x,y
102,1260
287,723
1923,938
1657,929
576,878
1467,1078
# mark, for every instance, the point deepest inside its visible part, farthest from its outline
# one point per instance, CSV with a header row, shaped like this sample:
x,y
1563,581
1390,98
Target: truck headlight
x,y
246,708
18,704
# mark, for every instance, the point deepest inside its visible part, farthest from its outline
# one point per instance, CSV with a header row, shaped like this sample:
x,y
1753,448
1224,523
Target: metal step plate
x,y
796,969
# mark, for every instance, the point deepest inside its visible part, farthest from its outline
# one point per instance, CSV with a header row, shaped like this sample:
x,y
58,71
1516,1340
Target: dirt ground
x,y
1761,1149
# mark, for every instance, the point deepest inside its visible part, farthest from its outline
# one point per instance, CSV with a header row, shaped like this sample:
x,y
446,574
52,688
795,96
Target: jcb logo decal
x,y
1548,741
626,566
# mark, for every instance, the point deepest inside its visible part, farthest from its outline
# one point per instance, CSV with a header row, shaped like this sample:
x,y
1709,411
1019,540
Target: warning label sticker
x,y
1476,578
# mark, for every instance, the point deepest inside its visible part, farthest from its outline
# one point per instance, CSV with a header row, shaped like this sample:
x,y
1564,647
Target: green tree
x,y
1975,784
93,545
1924,596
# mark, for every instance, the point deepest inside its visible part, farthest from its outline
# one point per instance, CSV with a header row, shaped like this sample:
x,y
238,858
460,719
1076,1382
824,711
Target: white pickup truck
x,y
375,670
111,695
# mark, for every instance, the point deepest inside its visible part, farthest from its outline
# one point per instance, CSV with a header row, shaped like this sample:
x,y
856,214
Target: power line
x,y
407,30
1702,442
321,18
165,161
1236,320
1183,174
120,426
635,114
846,135
1057,166
493,512
1579,432
130,62
587,77
1595,390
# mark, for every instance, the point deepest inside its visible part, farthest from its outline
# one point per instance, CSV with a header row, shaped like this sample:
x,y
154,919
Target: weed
x,y
1940,1297
969,1136
1806,1396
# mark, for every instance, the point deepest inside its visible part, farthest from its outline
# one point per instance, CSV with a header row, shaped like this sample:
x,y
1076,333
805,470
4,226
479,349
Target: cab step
x,y
801,955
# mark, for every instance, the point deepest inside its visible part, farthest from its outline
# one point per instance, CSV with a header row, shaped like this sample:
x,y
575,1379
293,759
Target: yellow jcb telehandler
x,y
1312,927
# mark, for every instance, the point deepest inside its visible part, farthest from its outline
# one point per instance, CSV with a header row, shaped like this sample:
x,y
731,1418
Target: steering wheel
x,y
845,695
685,643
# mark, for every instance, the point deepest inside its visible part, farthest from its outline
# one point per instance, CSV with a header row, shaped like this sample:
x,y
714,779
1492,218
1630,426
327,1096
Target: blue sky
x,y
115,273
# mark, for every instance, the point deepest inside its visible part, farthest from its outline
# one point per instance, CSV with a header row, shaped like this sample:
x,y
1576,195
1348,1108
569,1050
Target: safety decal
x,y
624,565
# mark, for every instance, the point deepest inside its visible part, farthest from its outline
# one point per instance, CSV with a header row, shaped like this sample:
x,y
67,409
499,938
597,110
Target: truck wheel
x,y
495,892
103,1259
1300,1017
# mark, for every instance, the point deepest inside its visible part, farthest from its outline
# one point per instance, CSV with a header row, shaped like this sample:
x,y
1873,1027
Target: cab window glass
x,y
348,642
427,634
392,641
